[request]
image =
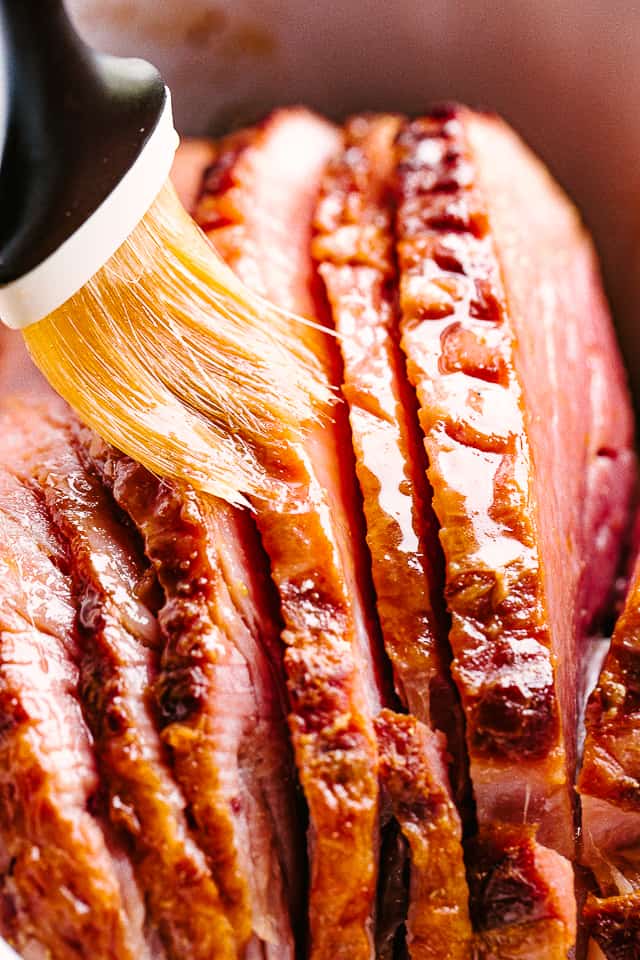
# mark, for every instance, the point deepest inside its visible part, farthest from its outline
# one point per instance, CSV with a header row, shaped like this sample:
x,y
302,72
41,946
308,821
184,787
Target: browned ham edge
x,y
609,786
257,207
62,892
118,637
413,773
509,381
221,695
521,898
354,248
614,924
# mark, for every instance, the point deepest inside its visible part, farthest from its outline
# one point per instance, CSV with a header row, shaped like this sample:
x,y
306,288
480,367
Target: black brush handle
x,y
76,122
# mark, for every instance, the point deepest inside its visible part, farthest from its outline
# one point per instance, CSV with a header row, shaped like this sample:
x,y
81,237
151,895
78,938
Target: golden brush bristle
x,y
171,359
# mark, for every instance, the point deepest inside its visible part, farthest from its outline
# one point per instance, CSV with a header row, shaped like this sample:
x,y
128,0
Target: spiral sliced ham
x,y
221,692
354,249
257,207
67,887
118,638
510,347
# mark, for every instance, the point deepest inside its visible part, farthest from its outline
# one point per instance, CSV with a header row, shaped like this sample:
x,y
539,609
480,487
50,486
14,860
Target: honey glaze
x,y
459,344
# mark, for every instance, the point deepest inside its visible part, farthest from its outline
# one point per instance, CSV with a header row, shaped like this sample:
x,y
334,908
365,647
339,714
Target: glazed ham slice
x,y
527,430
257,208
118,635
521,897
413,772
221,695
354,248
66,890
609,786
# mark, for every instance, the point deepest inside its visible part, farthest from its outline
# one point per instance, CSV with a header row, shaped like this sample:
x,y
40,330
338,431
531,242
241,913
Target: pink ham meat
x,y
521,897
119,636
221,695
354,248
66,889
413,773
527,429
257,207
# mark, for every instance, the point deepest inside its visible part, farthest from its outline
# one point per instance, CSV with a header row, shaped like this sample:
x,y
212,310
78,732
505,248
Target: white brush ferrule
x,y
45,288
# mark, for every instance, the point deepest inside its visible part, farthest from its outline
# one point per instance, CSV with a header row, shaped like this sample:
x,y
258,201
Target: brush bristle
x,y
167,356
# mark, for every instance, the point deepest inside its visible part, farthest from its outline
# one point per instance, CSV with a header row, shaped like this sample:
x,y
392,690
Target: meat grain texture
x,y
394,648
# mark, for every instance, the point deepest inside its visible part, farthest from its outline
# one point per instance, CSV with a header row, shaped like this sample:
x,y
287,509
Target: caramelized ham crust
x,y
221,695
257,207
609,785
413,772
509,345
62,892
614,924
118,636
521,898
354,248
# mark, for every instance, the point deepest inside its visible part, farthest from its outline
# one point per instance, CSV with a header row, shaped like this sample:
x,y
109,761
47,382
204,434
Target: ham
x,y
528,434
413,772
66,888
614,923
521,897
256,207
609,786
118,637
221,695
354,249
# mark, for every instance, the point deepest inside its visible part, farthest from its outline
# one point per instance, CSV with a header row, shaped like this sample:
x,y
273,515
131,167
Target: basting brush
x,y
122,302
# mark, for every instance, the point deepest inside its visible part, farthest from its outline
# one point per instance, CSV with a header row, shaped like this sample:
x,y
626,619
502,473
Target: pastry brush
x,y
123,303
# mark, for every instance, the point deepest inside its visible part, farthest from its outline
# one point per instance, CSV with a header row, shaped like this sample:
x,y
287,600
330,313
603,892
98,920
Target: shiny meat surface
x,y
413,773
221,695
62,889
609,785
257,207
353,246
118,637
493,327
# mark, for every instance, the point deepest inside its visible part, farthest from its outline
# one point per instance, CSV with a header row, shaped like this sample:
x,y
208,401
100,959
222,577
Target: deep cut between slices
x,y
354,249
509,346
413,772
257,207
609,786
221,696
118,636
66,887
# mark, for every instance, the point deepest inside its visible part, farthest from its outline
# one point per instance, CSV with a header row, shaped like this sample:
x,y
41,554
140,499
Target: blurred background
x,y
565,74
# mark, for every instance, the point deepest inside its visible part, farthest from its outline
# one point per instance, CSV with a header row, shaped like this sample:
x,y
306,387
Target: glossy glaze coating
x,y
119,637
353,246
264,192
413,772
491,325
221,695
66,884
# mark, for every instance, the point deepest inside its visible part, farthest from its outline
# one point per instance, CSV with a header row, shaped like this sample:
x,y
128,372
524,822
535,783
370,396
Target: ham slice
x,y
66,890
521,897
257,207
528,434
413,772
609,785
221,694
354,248
119,638
614,923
